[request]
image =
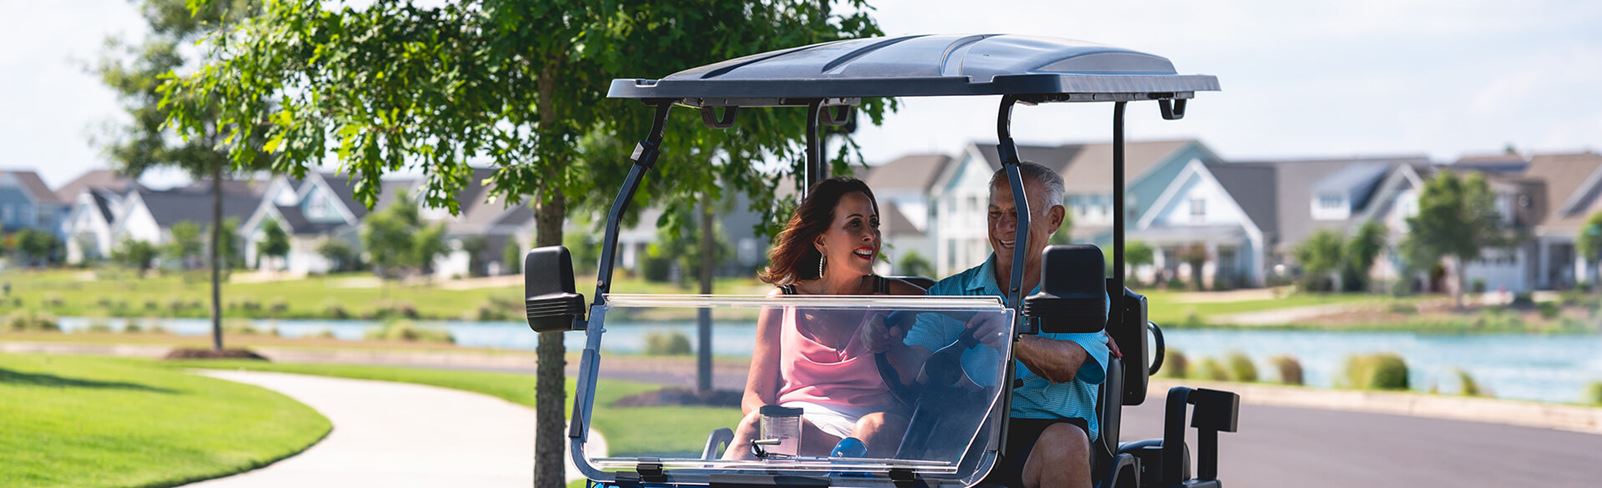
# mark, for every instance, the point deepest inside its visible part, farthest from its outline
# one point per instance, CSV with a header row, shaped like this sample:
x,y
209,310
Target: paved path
x,y
397,434
1306,447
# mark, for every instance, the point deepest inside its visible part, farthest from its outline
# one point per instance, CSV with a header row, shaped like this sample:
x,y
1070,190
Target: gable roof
x,y
94,179
1087,167
1571,186
103,201
1294,186
1253,189
31,184
916,172
896,223
342,188
169,207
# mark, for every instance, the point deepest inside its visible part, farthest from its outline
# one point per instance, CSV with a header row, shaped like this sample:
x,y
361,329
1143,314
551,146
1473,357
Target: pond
x,y
1553,367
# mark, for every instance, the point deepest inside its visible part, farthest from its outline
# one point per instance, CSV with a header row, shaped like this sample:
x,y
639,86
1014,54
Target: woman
x,y
815,359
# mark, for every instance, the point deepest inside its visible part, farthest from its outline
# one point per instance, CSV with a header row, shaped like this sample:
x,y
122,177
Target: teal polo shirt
x,y
1038,398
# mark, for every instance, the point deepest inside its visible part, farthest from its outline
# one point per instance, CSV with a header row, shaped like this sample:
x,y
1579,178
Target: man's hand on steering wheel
x,y
878,336
989,329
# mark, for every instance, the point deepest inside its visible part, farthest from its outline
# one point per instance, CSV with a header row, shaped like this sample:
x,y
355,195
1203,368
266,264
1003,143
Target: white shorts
x,y
835,421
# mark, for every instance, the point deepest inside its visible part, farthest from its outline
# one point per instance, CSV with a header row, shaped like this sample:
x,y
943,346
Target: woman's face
x,y
851,242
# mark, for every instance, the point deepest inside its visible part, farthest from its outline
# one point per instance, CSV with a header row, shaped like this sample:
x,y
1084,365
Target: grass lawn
x,y
115,293
85,421
1168,308
629,431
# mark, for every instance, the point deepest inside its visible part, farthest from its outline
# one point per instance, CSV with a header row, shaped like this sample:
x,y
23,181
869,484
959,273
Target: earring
x,y
821,259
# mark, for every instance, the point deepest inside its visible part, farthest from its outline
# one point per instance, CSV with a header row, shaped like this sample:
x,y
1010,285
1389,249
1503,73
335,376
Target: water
x,y
1552,368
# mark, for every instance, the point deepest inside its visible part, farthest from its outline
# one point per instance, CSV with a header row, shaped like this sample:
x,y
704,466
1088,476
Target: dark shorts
x,y
1021,437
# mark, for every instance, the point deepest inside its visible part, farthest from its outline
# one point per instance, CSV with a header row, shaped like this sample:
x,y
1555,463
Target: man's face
x,y
1044,219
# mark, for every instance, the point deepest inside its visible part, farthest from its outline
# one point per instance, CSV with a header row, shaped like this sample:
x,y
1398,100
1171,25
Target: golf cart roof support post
x,y
1009,161
644,157
815,170
1116,314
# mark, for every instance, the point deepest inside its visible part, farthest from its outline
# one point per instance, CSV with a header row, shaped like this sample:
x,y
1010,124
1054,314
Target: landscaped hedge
x,y
1381,371
1241,367
1290,370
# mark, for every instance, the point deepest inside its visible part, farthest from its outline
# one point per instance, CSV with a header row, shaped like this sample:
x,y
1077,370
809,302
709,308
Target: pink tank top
x,y
815,373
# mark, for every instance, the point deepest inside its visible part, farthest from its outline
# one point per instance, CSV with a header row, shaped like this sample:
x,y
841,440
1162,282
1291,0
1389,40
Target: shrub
x,y
31,321
326,334
1549,310
132,327
495,309
1241,367
151,305
1175,365
335,311
667,344
279,308
1593,393
407,331
1381,371
1210,369
1290,370
240,327
1467,386
394,310
99,326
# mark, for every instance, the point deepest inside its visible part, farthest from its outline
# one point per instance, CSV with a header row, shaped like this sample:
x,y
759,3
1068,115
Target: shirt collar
x,y
984,282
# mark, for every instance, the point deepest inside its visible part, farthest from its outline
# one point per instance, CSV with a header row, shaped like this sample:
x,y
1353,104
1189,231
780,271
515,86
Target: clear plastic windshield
x,y
841,388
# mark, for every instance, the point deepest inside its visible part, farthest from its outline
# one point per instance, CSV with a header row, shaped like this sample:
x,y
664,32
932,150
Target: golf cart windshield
x,y
929,418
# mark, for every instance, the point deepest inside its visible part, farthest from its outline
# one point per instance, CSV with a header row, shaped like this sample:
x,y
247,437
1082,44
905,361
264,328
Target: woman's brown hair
x,y
793,257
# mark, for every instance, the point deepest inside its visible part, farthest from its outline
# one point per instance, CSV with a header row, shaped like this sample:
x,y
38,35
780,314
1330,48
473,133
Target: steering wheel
x,y
942,369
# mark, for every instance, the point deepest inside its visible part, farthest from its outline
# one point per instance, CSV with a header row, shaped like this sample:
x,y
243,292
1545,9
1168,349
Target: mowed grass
x,y
1170,308
109,292
629,431
85,421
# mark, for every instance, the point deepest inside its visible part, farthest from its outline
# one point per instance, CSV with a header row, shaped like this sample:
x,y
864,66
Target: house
x,y
1572,183
310,211
149,215
26,202
1211,226
94,201
960,193
484,226
902,187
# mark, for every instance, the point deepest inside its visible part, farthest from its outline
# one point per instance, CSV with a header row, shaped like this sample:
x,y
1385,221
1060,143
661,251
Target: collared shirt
x,y
1038,398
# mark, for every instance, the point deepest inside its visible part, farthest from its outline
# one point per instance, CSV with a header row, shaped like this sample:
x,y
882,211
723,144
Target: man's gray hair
x,y
1037,172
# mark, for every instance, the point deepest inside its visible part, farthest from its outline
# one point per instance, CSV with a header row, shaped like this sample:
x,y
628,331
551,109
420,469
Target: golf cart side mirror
x,y
1072,297
548,293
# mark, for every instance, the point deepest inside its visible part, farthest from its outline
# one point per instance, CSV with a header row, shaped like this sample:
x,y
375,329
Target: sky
x,y
1300,79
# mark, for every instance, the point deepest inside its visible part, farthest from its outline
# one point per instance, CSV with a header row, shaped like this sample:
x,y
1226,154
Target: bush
x,y
1210,369
406,331
394,310
1381,371
667,344
279,308
1290,370
1467,386
495,309
1175,365
1549,310
1241,367
240,327
335,311
1593,393
31,321
99,326
132,327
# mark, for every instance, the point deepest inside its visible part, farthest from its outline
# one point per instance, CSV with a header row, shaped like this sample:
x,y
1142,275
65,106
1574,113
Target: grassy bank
x,y
629,431
85,421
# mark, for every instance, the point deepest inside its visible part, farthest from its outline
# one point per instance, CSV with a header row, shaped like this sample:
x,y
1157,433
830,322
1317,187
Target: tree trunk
x,y
550,393
216,259
1457,281
703,322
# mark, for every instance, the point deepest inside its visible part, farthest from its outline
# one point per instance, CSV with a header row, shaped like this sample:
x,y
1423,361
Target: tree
x,y
1137,254
512,257
32,247
208,148
274,243
1589,244
398,241
914,264
185,246
520,84
1456,219
135,254
1320,257
339,254
475,246
1359,255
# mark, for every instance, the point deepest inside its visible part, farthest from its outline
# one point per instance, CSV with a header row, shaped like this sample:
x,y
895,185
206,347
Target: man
x,y
1054,409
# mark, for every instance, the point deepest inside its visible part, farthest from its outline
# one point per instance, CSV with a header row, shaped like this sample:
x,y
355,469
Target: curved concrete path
x,y
398,434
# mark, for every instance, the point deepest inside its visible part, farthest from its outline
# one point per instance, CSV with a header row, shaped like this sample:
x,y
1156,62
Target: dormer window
x,y
1331,206
1198,208
1330,202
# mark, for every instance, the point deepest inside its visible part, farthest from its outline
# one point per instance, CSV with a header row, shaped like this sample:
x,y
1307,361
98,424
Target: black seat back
x,y
1110,413
1130,332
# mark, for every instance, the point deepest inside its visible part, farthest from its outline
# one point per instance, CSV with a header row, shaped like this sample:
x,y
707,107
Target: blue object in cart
x,y
849,447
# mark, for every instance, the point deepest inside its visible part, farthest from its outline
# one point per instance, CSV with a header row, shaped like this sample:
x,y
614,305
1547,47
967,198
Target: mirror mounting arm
x,y
645,154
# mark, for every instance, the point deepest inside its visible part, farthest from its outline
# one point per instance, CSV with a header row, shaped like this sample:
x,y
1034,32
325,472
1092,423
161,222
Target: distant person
x,y
1054,409
814,359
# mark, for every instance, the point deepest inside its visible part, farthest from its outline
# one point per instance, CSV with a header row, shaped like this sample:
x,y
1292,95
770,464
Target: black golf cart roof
x,y
1038,69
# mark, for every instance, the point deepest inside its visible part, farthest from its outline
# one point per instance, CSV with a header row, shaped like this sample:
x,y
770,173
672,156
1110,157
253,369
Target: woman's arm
x,y
762,382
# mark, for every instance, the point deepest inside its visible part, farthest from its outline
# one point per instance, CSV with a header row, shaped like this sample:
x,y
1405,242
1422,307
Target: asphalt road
x,y
1301,447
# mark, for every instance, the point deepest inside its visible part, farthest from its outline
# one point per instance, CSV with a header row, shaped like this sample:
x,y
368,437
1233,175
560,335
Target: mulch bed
x,y
204,353
678,396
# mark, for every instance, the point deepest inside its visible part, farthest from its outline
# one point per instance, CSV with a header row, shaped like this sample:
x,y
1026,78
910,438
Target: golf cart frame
x,y
829,79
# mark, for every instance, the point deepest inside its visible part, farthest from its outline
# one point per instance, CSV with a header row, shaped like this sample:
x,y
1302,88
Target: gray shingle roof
x,y
1087,168
169,207
31,184
1570,187
1294,182
1252,187
915,172
97,178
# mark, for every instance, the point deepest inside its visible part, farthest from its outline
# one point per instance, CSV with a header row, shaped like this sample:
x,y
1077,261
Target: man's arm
x,y
1052,359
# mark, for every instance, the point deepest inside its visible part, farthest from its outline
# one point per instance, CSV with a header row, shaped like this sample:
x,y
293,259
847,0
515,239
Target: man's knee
x,y
1063,443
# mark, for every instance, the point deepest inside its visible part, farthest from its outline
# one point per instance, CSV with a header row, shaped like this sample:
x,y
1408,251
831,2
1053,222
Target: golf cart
x,y
959,403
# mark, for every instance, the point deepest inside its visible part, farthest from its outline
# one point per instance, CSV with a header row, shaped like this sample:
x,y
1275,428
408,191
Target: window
x,y
1198,208
1330,201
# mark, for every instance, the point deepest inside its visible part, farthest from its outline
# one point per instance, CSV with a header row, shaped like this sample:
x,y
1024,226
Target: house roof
x,y
299,225
896,223
342,188
1087,168
103,201
169,207
1356,182
1294,186
1571,187
95,178
1493,163
1253,189
916,172
31,184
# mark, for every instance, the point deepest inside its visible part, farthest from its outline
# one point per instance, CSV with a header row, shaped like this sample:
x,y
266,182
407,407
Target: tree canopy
x,y
1456,220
